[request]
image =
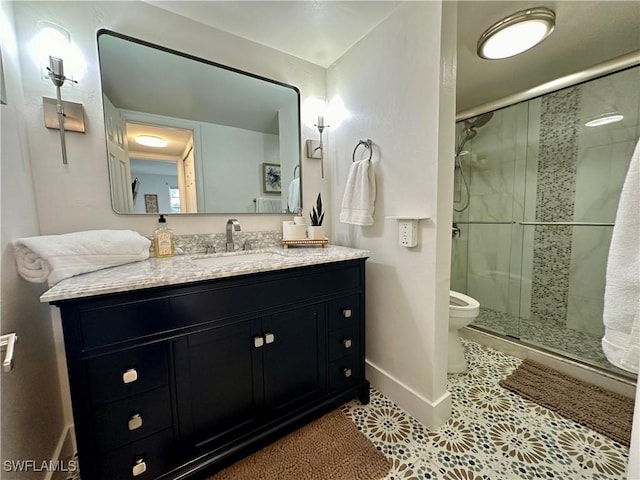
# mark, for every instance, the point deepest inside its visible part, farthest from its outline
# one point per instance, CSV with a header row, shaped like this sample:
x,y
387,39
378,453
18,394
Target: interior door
x,y
119,163
190,196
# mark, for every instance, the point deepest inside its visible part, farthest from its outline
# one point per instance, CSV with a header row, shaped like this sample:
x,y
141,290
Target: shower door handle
x,y
568,224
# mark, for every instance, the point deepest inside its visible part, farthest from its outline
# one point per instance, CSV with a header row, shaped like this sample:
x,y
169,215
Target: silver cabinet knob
x,y
346,312
346,342
135,422
269,338
258,342
346,372
139,467
130,376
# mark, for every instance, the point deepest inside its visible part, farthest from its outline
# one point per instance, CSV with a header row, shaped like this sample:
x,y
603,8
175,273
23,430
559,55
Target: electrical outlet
x,y
408,233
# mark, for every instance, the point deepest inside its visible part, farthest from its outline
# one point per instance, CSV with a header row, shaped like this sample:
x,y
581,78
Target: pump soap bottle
x,y
163,239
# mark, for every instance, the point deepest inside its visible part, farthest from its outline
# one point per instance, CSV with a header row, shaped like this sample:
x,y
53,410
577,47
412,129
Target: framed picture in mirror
x,y
271,178
150,203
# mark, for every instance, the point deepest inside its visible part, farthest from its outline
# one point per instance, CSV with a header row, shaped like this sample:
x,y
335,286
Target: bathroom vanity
x,y
179,366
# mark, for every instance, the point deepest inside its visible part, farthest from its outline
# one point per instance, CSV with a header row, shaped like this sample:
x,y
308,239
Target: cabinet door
x,y
294,357
219,382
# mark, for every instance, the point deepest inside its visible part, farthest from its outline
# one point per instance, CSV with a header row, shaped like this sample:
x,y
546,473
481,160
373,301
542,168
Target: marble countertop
x,y
155,272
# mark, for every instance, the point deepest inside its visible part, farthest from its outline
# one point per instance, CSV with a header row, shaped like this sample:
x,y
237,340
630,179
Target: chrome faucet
x,y
232,224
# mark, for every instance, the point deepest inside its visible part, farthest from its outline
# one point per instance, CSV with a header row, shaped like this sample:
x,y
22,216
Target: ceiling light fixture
x,y
151,141
604,119
516,33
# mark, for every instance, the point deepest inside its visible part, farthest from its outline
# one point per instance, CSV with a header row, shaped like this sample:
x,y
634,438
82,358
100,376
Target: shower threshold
x,y
550,336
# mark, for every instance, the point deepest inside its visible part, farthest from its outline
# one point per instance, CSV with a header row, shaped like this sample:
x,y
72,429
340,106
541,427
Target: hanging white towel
x,y
53,258
268,205
621,342
359,198
294,195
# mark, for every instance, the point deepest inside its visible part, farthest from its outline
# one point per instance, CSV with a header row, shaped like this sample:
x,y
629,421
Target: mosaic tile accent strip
x,y
555,194
493,434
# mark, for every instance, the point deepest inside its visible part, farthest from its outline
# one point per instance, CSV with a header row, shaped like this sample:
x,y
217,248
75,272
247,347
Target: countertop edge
x,y
94,284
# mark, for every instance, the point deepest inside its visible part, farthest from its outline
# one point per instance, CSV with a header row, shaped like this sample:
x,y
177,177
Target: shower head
x,y
479,121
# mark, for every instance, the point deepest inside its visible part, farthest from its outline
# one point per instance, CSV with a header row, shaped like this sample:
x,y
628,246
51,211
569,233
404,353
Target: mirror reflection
x,y
185,135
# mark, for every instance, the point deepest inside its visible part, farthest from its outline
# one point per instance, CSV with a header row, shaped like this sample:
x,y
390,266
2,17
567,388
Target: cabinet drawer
x,y
145,459
255,295
344,312
130,372
111,325
128,420
344,371
344,342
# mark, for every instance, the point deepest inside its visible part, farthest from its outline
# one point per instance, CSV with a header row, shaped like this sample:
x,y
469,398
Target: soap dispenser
x,y
163,239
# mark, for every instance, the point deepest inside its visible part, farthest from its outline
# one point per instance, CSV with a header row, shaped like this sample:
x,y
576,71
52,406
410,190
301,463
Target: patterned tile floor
x,y
493,434
548,334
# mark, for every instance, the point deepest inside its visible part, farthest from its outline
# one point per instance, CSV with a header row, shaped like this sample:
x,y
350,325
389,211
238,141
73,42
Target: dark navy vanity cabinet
x,y
176,382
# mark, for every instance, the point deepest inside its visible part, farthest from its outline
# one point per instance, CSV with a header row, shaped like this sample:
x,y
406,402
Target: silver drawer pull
x,y
346,372
130,376
139,468
258,342
269,338
346,342
135,422
346,312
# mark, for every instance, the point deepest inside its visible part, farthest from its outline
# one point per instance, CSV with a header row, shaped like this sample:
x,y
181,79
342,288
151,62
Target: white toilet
x,y
462,311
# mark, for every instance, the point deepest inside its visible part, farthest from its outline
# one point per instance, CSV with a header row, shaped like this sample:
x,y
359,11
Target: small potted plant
x,y
315,231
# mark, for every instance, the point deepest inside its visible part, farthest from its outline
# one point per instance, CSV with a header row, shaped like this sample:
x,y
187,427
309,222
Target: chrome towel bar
x,y
7,342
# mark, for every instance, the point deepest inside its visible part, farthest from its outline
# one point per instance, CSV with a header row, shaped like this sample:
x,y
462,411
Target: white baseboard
x,y
65,449
432,414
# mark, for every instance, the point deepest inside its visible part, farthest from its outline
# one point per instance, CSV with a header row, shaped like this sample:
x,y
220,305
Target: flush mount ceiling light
x,y
151,141
604,119
516,33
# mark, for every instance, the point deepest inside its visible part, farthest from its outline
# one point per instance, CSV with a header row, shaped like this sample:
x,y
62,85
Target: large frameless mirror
x,y
187,135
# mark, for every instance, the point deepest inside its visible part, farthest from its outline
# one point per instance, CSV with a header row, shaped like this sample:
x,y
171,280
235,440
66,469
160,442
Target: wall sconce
x,y
314,111
315,147
51,44
69,115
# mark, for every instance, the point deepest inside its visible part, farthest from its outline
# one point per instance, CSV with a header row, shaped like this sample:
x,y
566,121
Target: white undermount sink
x,y
233,259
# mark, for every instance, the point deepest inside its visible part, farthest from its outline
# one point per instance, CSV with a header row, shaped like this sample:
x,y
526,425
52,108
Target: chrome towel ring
x,y
367,144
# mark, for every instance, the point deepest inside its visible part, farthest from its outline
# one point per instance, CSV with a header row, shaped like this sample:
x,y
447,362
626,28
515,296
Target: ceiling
x,y
587,33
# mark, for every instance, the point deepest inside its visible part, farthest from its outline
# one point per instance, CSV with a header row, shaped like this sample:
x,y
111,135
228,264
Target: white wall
x,y
151,184
76,196
32,416
400,93
235,155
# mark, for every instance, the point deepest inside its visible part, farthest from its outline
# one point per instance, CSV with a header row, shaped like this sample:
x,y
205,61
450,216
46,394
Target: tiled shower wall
x,y
555,194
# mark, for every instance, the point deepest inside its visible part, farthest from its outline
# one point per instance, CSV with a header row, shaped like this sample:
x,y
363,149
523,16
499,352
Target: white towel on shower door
x,y
621,316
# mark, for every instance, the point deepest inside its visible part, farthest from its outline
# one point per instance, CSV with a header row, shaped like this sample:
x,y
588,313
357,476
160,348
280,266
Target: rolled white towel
x,y
53,258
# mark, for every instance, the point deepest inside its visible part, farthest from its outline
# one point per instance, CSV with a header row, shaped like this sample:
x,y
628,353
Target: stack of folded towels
x,y
52,258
